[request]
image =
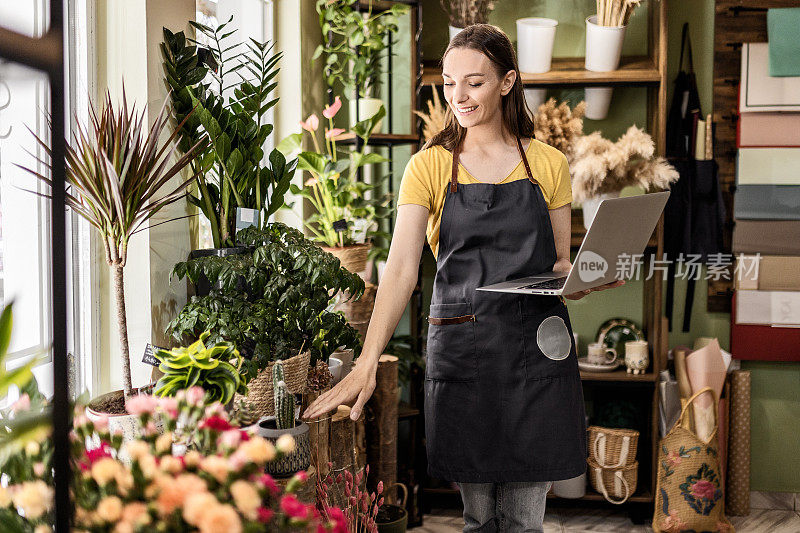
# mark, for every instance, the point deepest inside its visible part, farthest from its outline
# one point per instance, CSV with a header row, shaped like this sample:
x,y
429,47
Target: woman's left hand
x,y
565,265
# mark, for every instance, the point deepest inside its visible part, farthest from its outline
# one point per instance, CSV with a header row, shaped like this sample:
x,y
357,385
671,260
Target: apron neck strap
x,y
457,154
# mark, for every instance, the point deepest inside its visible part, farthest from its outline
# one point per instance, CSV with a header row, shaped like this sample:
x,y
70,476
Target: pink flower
x,y
265,515
101,424
331,110
195,395
301,475
22,404
141,404
170,405
673,458
237,460
311,124
230,438
268,483
216,423
703,488
336,515
333,132
294,508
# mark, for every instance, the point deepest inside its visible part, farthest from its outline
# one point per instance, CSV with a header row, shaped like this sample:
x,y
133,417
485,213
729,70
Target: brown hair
x,y
494,44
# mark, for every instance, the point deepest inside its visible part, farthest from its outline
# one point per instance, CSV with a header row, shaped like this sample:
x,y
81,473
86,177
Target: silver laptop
x,y
618,234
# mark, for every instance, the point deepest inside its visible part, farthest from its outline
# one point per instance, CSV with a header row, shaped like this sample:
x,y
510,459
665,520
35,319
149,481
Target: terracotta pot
x,y
353,257
293,462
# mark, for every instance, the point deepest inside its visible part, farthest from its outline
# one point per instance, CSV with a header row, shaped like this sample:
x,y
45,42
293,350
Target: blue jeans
x,y
512,507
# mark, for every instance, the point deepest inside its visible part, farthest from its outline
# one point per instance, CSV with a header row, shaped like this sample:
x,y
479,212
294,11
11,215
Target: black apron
x,y
503,396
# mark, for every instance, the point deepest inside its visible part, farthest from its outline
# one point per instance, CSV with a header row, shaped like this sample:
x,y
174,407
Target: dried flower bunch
x,y
558,125
463,13
433,120
319,376
599,165
362,506
615,12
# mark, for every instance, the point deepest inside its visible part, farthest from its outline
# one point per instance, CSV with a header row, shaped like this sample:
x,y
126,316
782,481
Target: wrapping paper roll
x,y
738,479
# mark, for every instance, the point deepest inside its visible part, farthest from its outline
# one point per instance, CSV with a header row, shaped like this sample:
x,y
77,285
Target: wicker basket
x,y
353,257
615,484
260,394
612,447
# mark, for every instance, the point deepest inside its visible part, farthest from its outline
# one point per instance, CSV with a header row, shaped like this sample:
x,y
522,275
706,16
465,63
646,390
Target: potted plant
x,y
463,13
273,304
354,43
116,172
215,369
283,423
345,219
232,171
391,517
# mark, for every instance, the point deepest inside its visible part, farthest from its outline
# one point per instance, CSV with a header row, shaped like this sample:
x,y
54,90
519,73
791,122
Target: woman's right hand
x,y
358,385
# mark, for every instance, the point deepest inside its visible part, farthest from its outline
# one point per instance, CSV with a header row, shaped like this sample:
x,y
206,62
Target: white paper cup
x,y
535,38
603,45
598,100
534,98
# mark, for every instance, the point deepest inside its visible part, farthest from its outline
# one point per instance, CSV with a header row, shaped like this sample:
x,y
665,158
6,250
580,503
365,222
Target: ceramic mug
x,y
599,354
636,357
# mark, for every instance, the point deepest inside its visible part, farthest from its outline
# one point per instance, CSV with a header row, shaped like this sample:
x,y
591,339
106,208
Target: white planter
x,y
335,366
128,424
534,98
367,107
603,45
535,38
590,206
453,31
598,100
570,488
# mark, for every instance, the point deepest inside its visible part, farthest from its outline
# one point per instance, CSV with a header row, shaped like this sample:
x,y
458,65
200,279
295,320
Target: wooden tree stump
x,y
318,433
342,453
381,428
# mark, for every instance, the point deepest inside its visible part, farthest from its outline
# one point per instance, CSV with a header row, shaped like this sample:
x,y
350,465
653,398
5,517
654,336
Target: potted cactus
x,y
284,425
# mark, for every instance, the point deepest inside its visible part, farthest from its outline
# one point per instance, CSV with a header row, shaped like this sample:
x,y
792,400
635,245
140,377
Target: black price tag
x,y
148,357
340,225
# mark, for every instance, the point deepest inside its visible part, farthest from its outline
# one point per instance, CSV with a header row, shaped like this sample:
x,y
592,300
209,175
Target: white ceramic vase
x,y
590,206
367,107
535,38
598,100
534,98
603,45
453,31
335,367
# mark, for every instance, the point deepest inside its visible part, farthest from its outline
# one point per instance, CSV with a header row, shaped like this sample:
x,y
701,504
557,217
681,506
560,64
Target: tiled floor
x,y
575,520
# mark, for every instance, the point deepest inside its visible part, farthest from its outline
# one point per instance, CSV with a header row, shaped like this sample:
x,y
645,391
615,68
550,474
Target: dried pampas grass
x,y
558,125
463,13
434,118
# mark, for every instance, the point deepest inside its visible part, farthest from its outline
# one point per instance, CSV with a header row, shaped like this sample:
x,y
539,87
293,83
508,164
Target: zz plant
x,y
231,171
271,302
216,369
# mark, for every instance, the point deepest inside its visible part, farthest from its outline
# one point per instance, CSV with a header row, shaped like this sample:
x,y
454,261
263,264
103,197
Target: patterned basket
x,y
612,447
352,257
260,394
615,484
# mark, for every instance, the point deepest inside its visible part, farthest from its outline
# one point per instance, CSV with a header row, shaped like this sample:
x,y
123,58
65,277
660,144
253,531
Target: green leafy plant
x,y
116,171
216,369
271,302
333,189
284,400
231,171
354,43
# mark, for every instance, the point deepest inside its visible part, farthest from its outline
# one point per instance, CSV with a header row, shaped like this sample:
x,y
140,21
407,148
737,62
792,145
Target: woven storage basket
x,y
352,257
615,484
260,394
612,447
357,310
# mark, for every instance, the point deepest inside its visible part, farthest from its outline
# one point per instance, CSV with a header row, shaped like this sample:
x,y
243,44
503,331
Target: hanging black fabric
x,y
694,214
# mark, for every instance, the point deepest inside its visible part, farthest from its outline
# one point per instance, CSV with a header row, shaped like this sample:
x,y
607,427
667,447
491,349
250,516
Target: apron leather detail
x,y
452,320
451,343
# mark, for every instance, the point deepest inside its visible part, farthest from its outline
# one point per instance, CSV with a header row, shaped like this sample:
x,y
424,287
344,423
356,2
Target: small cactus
x,y
284,400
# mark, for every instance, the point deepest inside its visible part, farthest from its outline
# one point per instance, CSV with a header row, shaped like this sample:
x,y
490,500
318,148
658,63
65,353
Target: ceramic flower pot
x,y
128,424
590,206
603,46
535,38
367,107
453,31
292,462
336,368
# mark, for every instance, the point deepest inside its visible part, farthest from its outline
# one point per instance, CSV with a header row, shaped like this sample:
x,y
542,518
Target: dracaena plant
x,y
120,174
273,302
214,368
333,188
354,42
232,171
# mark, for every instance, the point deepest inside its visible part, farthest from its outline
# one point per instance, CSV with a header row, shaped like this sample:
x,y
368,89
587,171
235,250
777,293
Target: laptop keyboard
x,y
555,283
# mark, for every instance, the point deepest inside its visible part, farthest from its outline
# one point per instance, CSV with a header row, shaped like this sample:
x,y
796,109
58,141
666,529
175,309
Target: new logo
x,y
591,266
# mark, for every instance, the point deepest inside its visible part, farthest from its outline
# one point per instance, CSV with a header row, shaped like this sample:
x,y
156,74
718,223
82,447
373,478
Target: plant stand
x,y
319,431
381,425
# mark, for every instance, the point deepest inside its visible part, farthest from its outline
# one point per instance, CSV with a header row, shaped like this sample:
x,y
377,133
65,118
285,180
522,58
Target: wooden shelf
x,y
633,70
381,139
618,375
644,496
404,410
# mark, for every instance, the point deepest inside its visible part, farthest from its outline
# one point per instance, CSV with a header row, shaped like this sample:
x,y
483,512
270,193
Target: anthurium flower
x,y
311,123
333,132
331,110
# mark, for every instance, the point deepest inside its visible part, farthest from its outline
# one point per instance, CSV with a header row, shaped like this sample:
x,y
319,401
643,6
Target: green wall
x,y
775,406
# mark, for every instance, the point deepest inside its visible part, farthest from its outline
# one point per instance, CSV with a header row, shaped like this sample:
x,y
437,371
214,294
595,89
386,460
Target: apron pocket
x,y
548,341
451,354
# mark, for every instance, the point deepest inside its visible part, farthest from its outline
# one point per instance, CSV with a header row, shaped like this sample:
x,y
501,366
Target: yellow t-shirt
x,y
427,176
